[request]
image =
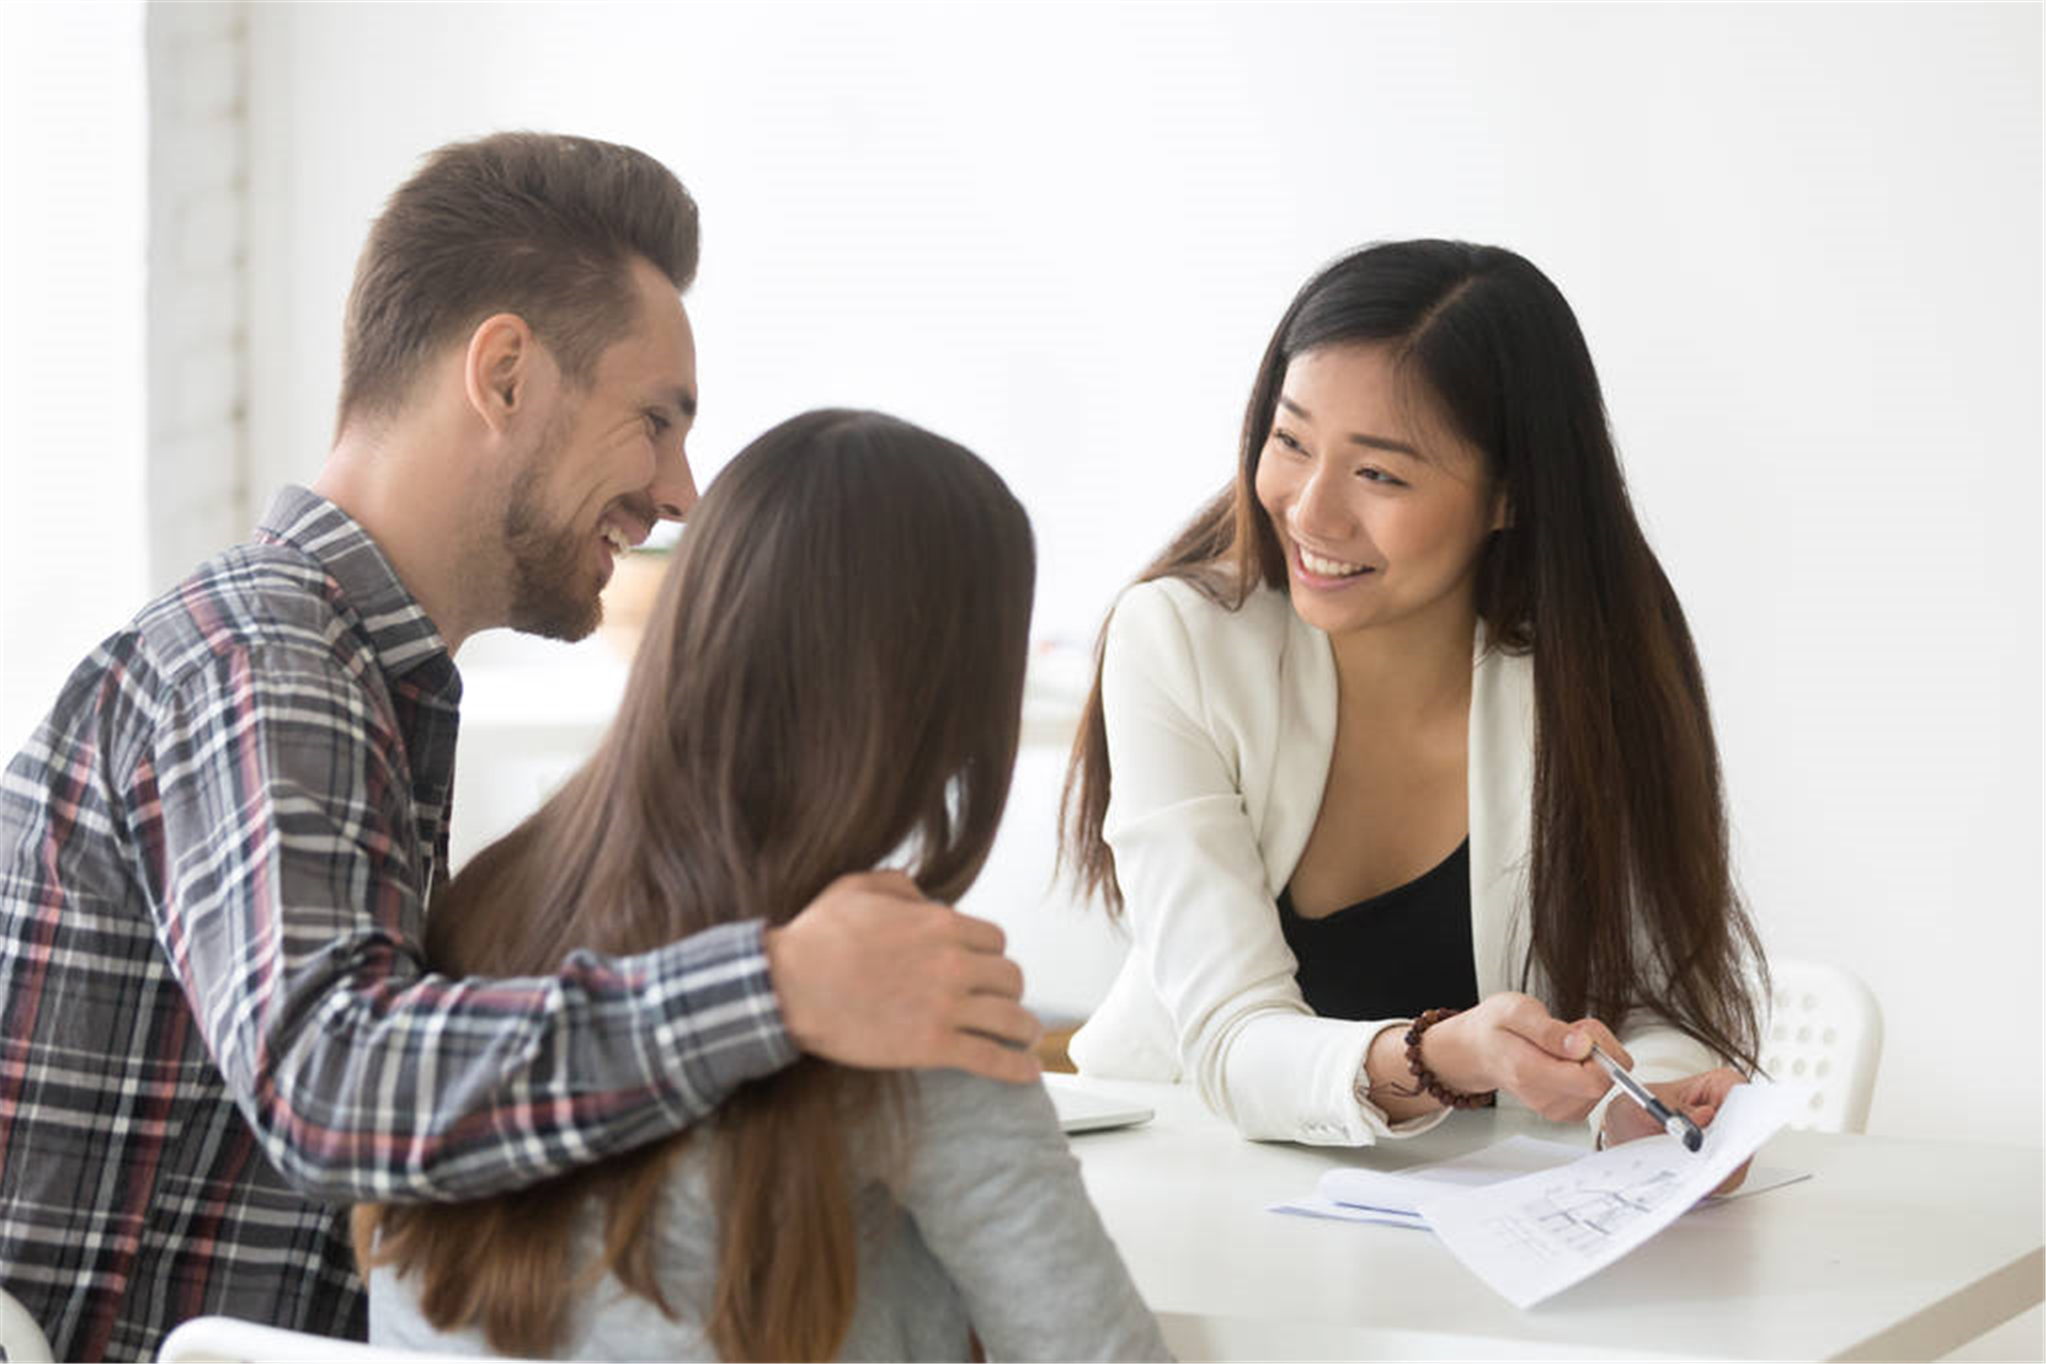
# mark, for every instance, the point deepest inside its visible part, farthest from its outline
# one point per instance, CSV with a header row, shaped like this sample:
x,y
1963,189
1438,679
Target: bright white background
x,y
1803,241
73,152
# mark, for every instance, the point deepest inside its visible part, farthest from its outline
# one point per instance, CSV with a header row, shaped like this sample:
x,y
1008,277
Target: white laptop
x,y
1087,1110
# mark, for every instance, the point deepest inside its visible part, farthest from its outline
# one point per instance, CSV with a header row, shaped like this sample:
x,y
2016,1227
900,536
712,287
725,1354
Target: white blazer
x,y
1221,726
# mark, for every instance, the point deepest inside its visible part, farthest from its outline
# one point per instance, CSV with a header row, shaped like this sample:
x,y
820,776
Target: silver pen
x,y
1674,1123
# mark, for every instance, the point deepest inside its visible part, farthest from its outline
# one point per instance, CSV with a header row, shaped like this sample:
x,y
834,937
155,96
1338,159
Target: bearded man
x,y
218,850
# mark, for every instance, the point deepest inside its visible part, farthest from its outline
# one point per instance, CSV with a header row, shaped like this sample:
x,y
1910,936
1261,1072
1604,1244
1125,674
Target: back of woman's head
x,y
832,679
846,656
832,676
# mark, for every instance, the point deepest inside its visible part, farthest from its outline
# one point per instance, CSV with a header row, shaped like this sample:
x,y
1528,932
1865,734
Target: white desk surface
x,y
1892,1250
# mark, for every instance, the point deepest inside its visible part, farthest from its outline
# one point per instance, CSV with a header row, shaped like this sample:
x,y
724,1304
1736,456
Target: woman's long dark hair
x,y
1634,904
832,677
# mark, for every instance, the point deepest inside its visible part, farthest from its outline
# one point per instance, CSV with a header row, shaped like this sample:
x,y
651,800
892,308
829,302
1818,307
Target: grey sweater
x,y
988,1228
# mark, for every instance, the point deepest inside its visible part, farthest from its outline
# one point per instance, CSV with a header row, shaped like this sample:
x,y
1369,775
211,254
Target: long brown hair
x,y
1633,899
832,678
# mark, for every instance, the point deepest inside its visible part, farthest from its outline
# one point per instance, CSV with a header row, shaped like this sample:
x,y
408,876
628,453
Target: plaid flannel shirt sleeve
x,y
272,809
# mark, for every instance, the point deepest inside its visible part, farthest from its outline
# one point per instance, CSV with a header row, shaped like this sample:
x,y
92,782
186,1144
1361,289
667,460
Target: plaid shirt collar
x,y
398,628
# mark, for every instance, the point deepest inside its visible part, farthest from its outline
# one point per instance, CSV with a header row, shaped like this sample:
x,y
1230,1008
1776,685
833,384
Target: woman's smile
x,y
1323,573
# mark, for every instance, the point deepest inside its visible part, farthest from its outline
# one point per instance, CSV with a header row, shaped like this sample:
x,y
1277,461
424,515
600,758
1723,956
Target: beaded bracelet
x,y
1425,1078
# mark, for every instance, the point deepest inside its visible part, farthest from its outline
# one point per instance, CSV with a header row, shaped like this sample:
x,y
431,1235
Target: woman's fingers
x,y
1626,1120
1545,1061
1607,1041
1525,1018
1698,1097
1559,1090
1734,1180
1708,1089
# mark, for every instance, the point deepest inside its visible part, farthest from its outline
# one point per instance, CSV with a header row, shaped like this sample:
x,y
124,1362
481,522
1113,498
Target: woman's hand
x,y
1698,1098
1510,1042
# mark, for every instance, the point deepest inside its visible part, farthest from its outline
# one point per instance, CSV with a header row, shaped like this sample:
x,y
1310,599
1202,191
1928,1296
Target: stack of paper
x,y
1356,1195
1537,1234
1532,1217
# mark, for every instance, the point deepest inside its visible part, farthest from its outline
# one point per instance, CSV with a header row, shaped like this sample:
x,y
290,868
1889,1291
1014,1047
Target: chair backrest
x,y
1825,1034
21,1339
230,1340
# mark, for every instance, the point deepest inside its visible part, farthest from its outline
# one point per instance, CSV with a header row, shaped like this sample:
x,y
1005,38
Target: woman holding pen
x,y
1398,762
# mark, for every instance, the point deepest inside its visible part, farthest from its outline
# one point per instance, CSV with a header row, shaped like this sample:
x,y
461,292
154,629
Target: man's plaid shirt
x,y
216,1030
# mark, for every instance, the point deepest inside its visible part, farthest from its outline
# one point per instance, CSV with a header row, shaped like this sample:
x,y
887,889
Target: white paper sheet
x,y
1536,1235
1314,1205
1761,1179
1355,1194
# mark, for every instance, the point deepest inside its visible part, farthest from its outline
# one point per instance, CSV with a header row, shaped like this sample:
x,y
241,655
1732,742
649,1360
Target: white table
x,y
1893,1250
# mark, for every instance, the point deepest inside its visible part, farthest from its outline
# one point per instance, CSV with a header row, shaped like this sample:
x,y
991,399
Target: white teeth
x,y
1327,568
617,539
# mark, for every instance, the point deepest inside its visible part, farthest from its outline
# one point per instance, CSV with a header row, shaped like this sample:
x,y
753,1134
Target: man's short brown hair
x,y
536,224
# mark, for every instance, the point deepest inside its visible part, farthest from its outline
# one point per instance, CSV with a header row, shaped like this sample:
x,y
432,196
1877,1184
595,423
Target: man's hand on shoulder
x,y
872,974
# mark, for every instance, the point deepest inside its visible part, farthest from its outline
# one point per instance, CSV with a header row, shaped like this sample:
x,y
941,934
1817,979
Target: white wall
x,y
198,484
1804,242
73,142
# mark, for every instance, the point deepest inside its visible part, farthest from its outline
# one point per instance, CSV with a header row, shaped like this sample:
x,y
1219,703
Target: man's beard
x,y
550,590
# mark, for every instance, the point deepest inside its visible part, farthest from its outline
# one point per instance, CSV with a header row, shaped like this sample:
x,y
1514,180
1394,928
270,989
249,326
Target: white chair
x,y
21,1340
230,1340
1824,1033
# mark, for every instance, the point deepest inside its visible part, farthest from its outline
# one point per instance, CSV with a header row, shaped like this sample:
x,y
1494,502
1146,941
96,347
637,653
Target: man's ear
x,y
498,368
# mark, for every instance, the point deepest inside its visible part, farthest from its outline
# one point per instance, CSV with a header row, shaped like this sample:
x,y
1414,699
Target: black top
x,y
1394,955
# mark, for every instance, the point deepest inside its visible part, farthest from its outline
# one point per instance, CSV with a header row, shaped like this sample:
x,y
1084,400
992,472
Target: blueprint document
x,y
1536,1235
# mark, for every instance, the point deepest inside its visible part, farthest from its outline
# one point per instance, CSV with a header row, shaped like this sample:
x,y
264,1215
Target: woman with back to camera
x,y
831,680
1398,759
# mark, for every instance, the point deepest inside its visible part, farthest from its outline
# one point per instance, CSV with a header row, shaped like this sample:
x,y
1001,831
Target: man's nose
x,y
674,485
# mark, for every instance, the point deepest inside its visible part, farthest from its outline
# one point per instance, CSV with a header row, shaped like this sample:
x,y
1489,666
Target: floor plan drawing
x,y
1538,1234
1585,1214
